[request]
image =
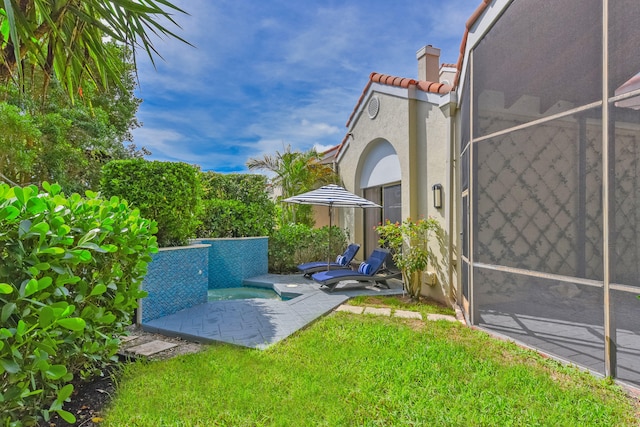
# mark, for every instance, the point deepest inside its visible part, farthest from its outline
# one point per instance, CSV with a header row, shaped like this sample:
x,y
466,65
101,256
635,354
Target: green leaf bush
x,y
235,205
294,244
69,285
409,245
167,192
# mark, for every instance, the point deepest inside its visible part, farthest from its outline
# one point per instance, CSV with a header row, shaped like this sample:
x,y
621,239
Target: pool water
x,y
244,292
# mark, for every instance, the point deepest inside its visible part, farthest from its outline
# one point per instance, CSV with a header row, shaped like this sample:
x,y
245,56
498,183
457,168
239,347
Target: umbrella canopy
x,y
333,196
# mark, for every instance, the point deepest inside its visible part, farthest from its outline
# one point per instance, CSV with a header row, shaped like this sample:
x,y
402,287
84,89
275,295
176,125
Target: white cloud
x,y
327,38
160,142
186,120
264,75
322,148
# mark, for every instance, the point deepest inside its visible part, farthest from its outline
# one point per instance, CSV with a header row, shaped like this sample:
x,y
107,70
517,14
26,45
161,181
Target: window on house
x,y
391,200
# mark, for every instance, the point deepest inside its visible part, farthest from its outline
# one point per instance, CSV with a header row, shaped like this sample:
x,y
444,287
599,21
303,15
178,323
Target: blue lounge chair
x,y
368,272
342,262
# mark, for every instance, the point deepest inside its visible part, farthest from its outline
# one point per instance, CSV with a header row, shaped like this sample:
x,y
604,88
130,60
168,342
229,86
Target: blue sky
x,y
267,74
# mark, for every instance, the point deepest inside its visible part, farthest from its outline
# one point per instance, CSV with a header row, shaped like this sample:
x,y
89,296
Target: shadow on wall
x,y
436,284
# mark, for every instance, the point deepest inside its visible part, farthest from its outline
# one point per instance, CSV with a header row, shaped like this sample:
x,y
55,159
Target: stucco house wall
x,y
392,125
418,127
439,163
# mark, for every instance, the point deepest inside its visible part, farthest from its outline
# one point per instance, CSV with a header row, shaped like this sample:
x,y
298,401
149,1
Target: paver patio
x,y
259,323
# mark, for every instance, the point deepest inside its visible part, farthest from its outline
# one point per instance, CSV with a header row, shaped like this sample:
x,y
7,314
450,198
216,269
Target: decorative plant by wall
x,y
409,245
294,244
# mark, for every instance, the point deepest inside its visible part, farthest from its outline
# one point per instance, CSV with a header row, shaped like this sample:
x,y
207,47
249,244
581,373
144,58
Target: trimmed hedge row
x,y
166,192
294,244
235,205
187,203
69,284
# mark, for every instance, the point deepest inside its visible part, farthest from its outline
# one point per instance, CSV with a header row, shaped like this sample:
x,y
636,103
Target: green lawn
x,y
357,370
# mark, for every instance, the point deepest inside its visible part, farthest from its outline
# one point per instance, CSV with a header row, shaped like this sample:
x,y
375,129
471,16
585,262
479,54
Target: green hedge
x,y
235,205
69,284
294,244
166,192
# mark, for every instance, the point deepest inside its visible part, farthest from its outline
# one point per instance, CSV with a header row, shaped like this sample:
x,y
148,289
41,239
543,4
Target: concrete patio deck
x,y
259,323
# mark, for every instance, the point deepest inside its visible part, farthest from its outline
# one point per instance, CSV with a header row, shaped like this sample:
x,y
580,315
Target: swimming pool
x,y
244,292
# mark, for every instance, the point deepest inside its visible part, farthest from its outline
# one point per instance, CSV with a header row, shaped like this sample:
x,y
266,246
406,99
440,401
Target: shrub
x,y
409,245
166,192
294,244
69,284
235,205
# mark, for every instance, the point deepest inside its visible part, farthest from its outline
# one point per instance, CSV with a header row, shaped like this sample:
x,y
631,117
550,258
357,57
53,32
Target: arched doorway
x,y
380,181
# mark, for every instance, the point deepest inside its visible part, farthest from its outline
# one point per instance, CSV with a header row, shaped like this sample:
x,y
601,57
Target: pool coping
x,y
260,323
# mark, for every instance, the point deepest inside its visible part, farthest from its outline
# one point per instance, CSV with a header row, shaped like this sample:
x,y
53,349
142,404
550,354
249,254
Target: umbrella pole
x,y
330,224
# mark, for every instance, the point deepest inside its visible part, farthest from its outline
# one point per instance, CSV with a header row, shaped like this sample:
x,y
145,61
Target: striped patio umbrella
x,y
333,196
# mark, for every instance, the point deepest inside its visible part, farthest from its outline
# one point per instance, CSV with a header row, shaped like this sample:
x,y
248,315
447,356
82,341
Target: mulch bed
x,y
88,400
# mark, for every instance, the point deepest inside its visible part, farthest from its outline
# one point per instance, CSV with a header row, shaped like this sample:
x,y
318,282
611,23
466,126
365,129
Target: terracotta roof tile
x,y
433,87
402,82
463,45
422,85
327,152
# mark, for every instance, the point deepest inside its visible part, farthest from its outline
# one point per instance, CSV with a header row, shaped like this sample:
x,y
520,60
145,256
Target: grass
x,y
400,303
348,370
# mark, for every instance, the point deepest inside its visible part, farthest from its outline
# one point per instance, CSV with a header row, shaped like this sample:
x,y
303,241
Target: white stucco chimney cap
x,y
427,50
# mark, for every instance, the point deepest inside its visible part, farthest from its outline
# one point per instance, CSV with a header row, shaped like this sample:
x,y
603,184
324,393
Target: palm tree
x,y
295,172
65,38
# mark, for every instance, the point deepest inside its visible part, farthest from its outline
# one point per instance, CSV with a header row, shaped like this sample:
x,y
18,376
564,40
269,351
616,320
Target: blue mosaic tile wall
x,y
233,260
177,278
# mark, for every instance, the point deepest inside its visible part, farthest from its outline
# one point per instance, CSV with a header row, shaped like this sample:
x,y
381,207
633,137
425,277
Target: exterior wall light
x,y
437,195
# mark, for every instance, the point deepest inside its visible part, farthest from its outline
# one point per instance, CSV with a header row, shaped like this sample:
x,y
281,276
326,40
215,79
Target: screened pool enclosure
x,y
550,178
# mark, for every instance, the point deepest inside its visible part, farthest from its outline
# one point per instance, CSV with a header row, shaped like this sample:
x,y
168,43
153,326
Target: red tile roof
x,y
422,85
327,152
463,46
402,82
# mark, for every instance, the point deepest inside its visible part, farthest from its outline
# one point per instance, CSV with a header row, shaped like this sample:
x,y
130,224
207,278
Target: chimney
x,y
429,64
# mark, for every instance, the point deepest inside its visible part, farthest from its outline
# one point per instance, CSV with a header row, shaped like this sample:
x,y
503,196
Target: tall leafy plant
x,y
20,142
69,284
295,172
294,244
65,38
46,137
409,245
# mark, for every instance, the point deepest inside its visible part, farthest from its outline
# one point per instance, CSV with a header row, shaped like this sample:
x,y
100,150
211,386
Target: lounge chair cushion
x,y
366,272
365,268
341,262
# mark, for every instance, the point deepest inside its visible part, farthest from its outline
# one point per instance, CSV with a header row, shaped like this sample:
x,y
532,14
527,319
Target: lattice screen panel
x,y
539,199
627,198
